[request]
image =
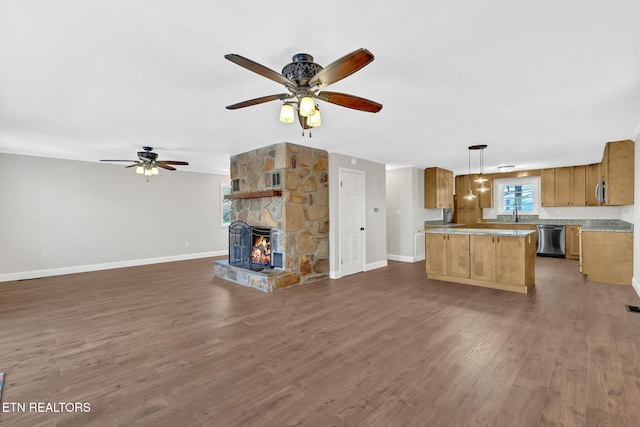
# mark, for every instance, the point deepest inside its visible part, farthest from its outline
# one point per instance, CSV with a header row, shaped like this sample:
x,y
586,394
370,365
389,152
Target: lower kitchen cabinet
x,y
497,259
503,259
483,266
447,254
607,257
572,241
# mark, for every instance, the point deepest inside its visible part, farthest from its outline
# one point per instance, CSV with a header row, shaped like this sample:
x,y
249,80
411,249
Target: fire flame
x,y
261,251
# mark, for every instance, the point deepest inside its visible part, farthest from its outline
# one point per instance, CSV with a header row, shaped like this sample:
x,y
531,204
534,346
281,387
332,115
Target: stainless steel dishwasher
x,y
551,240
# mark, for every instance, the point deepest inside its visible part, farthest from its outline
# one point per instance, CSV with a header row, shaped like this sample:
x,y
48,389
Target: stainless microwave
x,y
600,194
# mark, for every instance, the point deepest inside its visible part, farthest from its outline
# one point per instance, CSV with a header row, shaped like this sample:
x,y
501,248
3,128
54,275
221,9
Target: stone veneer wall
x,y
301,214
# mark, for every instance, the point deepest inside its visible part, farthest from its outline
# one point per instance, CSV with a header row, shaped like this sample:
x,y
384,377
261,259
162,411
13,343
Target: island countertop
x,y
479,231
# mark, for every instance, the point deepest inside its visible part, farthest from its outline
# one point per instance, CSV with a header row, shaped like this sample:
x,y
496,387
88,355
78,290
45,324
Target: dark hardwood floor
x,y
171,345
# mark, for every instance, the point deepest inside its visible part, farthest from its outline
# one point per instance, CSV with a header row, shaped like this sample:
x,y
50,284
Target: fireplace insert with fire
x,y
250,247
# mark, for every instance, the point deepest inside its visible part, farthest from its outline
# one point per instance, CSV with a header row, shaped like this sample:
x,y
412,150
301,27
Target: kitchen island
x,y
499,259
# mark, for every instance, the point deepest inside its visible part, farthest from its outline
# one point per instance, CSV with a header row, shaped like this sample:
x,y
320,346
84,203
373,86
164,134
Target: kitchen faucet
x,y
515,210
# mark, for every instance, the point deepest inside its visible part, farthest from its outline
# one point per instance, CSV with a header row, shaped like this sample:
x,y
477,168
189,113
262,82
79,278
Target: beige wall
x,y
406,214
88,216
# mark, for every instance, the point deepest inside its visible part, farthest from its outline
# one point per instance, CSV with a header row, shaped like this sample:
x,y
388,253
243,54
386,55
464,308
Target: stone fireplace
x,y
282,192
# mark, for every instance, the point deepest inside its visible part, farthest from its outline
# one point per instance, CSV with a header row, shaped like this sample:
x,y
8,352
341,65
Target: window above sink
x,y
521,192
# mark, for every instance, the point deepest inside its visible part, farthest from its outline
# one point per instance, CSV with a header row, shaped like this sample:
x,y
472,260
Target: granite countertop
x,y
478,231
611,225
608,228
440,223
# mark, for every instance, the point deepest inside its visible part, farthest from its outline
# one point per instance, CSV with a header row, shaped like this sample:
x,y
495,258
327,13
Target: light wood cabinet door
x,y
570,183
562,187
436,253
446,188
483,262
572,241
438,188
594,176
618,171
607,257
547,187
514,259
466,212
472,217
458,255
447,254
578,186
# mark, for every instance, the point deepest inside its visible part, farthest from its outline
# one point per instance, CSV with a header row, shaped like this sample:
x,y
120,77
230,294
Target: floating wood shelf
x,y
254,194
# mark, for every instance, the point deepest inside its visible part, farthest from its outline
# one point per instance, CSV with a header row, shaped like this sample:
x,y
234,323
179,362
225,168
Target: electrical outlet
x,y
45,254
186,244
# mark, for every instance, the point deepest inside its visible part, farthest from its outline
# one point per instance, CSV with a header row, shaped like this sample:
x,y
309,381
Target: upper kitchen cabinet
x,y
594,176
617,173
570,184
548,187
485,198
438,188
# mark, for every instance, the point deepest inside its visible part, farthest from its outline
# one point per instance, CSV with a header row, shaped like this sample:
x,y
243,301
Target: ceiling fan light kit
x,y
148,163
286,113
315,120
303,78
307,106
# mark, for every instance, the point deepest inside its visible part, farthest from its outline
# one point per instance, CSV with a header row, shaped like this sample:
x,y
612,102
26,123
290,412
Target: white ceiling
x,y
543,83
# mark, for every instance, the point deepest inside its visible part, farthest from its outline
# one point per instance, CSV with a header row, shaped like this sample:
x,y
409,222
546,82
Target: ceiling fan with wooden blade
x,y
303,78
148,163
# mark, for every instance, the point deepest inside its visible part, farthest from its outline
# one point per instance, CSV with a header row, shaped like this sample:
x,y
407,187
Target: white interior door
x,y
351,222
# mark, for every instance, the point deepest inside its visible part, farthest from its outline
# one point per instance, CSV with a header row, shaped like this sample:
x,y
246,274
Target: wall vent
x,y
273,179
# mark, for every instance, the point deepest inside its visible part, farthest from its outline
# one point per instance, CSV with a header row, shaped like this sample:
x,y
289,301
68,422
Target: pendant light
x,y
480,179
469,195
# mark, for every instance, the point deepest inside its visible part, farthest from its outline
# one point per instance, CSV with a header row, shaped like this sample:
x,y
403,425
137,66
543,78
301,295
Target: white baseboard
x,y
34,274
636,286
374,265
404,258
335,274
